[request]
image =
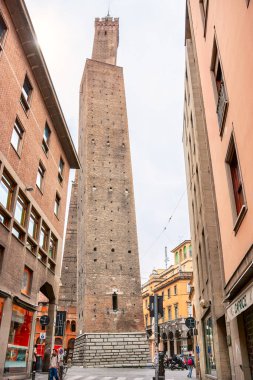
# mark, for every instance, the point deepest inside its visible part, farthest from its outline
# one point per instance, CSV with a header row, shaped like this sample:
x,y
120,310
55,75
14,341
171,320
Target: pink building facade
x,y
222,32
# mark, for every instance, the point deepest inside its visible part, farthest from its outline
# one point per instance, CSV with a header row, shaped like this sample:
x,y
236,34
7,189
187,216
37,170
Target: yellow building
x,y
174,285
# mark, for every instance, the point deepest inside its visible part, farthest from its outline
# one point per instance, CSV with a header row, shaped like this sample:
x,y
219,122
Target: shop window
x,y
52,247
27,281
235,183
114,302
209,347
6,191
16,360
26,94
40,176
3,30
33,226
17,136
44,234
220,88
20,210
60,170
46,137
57,202
73,326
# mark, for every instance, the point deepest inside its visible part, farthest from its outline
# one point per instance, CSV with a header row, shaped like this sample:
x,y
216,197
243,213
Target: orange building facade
x,y
173,285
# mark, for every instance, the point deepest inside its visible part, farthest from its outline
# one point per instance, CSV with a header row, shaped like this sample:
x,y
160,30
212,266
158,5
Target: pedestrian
x,y
54,365
190,364
34,357
61,362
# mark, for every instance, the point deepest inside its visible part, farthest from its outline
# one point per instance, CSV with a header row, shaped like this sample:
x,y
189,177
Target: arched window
x,y
185,254
176,258
73,326
71,343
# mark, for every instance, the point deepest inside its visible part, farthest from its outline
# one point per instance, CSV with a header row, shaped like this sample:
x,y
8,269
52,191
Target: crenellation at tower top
x,y
106,40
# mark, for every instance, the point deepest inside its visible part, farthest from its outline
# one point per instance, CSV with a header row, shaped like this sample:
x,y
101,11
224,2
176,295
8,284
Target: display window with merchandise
x,y
19,339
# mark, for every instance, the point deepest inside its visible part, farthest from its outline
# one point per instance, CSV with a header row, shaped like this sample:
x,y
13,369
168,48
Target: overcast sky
x,y
151,50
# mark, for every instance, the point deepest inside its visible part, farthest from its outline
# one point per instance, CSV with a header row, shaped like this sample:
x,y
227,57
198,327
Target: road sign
x,y
190,322
44,320
61,351
43,335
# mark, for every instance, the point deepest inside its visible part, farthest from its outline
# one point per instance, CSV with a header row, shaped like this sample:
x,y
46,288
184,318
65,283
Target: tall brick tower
x,y
110,317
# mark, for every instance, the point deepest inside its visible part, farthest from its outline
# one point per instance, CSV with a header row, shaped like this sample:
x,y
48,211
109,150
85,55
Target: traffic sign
x,y
190,322
43,335
44,320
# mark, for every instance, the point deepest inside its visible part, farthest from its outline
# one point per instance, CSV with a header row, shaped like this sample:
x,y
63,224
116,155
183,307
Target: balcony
x,y
222,107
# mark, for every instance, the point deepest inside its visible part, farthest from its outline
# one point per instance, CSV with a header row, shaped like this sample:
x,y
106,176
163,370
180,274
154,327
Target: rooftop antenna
x,y
109,5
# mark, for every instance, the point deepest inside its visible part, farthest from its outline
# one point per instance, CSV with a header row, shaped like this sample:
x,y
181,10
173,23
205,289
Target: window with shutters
x,y
235,184
204,13
220,91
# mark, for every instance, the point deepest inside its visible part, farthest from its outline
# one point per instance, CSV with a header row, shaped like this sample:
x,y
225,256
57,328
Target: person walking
x,y
54,365
190,364
34,358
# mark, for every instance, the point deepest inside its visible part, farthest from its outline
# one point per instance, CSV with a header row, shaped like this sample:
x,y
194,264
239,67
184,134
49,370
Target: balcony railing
x,y
222,106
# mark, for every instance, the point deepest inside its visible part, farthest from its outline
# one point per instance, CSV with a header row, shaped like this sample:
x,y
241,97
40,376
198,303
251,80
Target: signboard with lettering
x,y
242,303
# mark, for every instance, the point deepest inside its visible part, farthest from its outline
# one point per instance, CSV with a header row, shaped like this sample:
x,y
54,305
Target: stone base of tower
x,y
111,350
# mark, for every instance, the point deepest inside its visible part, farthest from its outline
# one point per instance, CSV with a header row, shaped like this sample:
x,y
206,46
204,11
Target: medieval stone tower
x,y
109,305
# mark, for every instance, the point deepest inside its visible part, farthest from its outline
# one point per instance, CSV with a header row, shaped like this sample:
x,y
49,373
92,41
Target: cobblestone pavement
x,y
76,373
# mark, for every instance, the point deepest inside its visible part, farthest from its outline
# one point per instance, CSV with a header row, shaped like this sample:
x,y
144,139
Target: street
x,y
78,373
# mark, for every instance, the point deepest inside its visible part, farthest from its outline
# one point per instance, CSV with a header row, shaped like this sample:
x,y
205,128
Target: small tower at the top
x,y
106,40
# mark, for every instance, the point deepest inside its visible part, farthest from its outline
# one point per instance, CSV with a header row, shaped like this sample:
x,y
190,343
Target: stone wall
x,y
111,350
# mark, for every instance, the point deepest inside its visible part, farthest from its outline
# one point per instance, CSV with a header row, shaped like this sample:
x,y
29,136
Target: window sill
x,y
19,156
32,253
240,218
39,189
6,227
20,241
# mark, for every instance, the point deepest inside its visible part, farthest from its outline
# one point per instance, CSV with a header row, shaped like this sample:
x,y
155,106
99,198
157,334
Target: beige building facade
x,y
219,39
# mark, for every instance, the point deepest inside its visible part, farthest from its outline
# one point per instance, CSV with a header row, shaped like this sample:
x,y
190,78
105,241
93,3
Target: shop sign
x,y
241,304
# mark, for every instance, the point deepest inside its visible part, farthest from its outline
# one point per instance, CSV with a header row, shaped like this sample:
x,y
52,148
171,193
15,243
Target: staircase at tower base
x,y
115,350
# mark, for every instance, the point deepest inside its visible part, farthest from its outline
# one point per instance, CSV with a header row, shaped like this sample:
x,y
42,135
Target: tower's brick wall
x,y
108,252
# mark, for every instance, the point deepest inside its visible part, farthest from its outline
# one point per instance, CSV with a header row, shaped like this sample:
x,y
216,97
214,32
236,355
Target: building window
x,y
115,302
6,191
236,179
40,176
20,210
52,247
45,140
3,30
18,232
204,12
1,309
175,289
60,170
190,250
189,309
44,234
169,313
185,254
169,293
26,94
16,360
33,226
73,326
176,311
247,2
209,347
27,281
220,89
57,204
176,258
16,138
1,267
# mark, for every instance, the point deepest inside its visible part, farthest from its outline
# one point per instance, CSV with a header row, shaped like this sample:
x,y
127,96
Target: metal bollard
x,y
33,375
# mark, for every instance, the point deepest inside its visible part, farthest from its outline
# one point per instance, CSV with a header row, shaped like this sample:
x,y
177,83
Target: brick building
x,y
36,154
173,285
110,319
217,141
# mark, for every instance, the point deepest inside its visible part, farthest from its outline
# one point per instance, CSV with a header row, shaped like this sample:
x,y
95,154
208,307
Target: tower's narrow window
x,y
115,302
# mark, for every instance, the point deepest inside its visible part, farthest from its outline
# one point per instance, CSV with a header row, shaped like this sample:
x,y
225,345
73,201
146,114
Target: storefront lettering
x,y
240,305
